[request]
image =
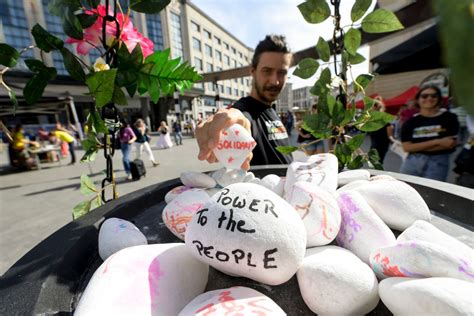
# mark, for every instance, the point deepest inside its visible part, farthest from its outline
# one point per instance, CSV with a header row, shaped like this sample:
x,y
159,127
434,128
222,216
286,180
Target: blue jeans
x,y
434,167
178,138
126,150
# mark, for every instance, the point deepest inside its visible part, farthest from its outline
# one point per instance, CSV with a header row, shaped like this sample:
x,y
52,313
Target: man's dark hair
x,y
271,43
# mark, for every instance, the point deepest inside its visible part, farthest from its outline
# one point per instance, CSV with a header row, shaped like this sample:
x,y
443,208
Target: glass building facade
x,y
15,27
176,36
155,30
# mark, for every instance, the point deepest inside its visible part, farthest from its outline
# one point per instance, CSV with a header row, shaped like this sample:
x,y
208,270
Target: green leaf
x,y
314,11
71,24
137,55
118,96
374,159
72,65
318,125
381,21
286,149
368,103
343,153
98,123
306,68
338,113
376,121
352,40
321,86
58,7
87,185
34,88
363,80
148,6
322,47
12,96
349,114
356,59
89,155
81,209
93,3
101,86
87,20
356,163
359,8
330,102
8,55
356,141
44,40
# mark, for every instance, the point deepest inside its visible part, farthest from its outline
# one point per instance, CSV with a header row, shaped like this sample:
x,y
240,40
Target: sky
x,y
251,20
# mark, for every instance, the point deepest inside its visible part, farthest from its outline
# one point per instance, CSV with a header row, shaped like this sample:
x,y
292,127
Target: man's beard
x,y
261,92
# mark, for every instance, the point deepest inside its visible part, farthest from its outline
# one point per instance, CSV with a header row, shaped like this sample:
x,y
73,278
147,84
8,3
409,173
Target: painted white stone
x,y
352,185
248,230
116,234
234,146
177,214
431,296
238,299
319,211
249,176
274,183
157,279
225,177
320,169
197,180
362,231
397,203
177,191
212,191
422,230
420,259
382,177
333,281
349,176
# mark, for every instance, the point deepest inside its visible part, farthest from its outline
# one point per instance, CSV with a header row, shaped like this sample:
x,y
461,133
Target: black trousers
x,y
71,151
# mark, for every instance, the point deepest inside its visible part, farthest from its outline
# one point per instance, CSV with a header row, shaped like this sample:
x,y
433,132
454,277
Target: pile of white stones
x,y
338,242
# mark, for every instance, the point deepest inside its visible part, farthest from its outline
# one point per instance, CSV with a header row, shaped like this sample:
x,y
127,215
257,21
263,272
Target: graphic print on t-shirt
x,y
276,130
428,131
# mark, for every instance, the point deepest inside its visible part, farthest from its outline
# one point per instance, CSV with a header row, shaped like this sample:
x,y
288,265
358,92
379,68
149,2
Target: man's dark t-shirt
x,y
421,129
267,130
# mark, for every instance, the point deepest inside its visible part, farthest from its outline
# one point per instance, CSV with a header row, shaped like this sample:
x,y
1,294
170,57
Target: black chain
x,y
109,112
338,45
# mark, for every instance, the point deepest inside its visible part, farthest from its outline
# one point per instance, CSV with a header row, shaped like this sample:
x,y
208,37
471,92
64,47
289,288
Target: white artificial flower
x,y
100,65
336,82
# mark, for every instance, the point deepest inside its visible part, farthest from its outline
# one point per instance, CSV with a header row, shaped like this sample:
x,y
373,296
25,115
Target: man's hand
x,y
448,142
208,133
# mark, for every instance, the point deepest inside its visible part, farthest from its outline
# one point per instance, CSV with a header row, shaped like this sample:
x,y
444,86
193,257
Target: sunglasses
x,y
426,95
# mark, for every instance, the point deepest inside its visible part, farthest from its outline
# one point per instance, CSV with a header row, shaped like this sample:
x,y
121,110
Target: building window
x,y
198,64
199,86
196,44
218,68
235,80
235,63
234,51
208,50
15,28
221,88
247,81
227,60
155,30
210,68
241,81
226,46
228,90
210,86
218,55
240,55
241,65
195,26
217,40
176,38
236,92
207,34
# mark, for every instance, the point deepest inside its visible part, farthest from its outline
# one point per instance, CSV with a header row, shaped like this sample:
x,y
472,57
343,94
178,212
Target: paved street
x,y
35,204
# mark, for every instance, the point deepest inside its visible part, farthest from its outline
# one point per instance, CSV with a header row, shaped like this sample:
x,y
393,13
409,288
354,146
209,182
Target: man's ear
x,y
252,71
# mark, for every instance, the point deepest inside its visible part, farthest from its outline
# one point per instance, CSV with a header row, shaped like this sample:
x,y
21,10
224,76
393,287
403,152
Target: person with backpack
x,y
143,141
127,138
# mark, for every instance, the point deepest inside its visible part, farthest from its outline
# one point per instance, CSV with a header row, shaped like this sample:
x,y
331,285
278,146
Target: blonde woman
x,y
142,142
164,141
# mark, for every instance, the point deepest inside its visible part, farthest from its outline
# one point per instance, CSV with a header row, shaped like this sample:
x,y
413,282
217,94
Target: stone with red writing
x,y
418,259
431,296
225,177
333,281
239,300
116,234
157,279
422,230
362,231
274,183
177,191
320,170
181,209
248,230
348,176
234,146
197,180
395,202
319,211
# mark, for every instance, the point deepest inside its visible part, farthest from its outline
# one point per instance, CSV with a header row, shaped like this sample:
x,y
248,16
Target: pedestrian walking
x,y
143,141
178,136
127,138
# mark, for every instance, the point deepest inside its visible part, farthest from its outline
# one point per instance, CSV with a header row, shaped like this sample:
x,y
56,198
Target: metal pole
x,y
76,119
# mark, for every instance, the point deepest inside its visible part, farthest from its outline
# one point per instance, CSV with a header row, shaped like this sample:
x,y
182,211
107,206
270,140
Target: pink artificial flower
x,y
129,35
